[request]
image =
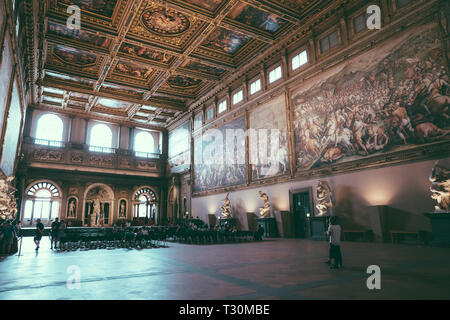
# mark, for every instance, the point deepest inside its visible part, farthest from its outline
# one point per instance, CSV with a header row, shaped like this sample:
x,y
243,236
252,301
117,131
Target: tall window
x,y
145,204
238,97
275,74
329,42
101,139
299,60
360,22
255,86
198,121
42,202
222,106
49,131
144,144
210,114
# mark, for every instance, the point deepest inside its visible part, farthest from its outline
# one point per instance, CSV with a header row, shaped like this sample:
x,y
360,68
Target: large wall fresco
x,y
267,156
12,133
215,168
6,68
180,146
392,98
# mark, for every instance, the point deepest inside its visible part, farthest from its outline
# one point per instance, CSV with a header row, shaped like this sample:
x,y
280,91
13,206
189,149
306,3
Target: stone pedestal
x,y
212,220
270,227
318,227
440,225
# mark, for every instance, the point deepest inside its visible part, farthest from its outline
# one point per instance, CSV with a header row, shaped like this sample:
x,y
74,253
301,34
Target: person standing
x,y
62,234
334,232
8,237
54,233
39,233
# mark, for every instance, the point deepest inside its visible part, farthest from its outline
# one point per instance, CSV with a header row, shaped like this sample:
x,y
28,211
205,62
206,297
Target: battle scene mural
x,y
180,146
225,40
220,168
269,157
392,98
254,17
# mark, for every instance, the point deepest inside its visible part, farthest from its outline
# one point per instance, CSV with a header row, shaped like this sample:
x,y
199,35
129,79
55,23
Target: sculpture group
x,y
324,198
8,203
264,211
440,187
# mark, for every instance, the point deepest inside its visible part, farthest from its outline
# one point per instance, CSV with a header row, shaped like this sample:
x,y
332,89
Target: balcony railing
x,y
50,143
102,149
148,155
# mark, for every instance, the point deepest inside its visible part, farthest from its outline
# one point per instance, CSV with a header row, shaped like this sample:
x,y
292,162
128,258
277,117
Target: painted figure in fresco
x,y
264,212
324,198
226,207
440,187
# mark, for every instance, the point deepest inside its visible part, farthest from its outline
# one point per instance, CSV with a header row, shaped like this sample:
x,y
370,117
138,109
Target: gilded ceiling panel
x,y
251,16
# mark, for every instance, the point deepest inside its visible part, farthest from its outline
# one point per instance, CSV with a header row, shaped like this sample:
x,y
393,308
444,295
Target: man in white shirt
x,y
334,232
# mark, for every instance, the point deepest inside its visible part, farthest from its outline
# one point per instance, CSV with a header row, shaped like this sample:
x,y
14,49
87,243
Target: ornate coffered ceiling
x,y
144,61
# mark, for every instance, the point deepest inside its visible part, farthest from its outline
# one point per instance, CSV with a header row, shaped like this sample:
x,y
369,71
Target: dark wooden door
x,y
302,206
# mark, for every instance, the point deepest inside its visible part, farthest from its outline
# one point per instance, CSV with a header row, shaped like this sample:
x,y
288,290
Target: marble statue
x,y
440,187
324,198
226,207
264,211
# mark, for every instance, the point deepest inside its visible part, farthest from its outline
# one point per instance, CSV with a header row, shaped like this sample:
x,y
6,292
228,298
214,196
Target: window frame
x,y
144,154
210,109
97,148
235,93
254,80
198,124
47,142
295,54
273,69
221,101
336,30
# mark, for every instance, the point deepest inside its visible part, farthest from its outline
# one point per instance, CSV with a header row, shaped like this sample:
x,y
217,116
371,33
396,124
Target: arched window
x,y
145,204
101,139
144,144
50,130
42,202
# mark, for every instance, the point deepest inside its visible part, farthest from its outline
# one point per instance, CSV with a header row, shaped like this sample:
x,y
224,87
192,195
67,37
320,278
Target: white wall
x,y
403,187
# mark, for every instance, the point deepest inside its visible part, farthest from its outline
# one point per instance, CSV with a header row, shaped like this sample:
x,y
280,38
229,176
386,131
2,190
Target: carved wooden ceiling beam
x,y
64,85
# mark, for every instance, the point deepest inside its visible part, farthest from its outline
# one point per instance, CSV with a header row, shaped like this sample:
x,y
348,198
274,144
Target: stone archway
x,y
98,206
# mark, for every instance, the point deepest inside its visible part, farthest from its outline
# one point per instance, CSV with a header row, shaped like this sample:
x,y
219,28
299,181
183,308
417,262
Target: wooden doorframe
x,y
293,192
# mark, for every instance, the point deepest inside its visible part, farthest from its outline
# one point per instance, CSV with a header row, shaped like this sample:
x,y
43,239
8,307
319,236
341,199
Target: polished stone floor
x,y
274,269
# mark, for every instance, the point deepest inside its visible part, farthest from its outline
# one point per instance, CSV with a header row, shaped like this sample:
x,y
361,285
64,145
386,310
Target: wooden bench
x,y
363,233
396,235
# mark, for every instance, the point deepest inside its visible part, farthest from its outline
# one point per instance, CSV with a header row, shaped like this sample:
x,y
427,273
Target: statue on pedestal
x,y
226,208
324,198
440,187
264,211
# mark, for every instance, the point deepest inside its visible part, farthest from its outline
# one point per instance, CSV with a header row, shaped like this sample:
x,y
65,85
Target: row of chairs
x,y
74,240
211,236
